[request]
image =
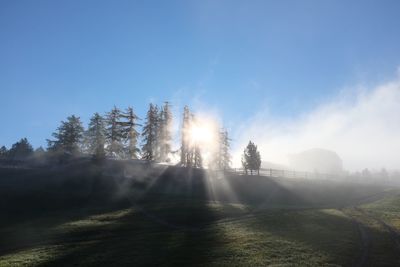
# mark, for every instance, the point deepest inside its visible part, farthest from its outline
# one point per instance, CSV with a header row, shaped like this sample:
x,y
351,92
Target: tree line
x,y
20,150
116,134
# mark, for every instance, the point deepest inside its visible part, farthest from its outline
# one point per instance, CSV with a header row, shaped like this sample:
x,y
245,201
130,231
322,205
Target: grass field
x,y
197,234
387,209
172,229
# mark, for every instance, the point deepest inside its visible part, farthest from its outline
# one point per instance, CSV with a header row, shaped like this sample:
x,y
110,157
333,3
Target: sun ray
x,y
203,133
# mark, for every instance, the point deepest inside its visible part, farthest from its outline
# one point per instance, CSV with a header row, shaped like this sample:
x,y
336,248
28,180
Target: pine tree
x,y
157,147
197,159
95,136
114,134
185,146
3,152
68,137
150,134
251,159
21,150
219,153
194,158
165,136
224,157
129,133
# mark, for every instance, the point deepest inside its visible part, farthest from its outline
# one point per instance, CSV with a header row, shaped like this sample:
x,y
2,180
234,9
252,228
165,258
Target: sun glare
x,y
204,134
201,134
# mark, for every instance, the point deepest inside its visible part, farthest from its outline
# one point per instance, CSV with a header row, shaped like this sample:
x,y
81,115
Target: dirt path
x,y
394,233
365,245
365,240
365,236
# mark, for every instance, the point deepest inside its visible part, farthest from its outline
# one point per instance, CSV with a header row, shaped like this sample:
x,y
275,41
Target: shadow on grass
x,y
170,221
162,229
189,238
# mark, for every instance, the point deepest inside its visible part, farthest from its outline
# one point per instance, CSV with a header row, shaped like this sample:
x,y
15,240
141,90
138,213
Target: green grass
x,y
89,215
180,233
387,209
382,251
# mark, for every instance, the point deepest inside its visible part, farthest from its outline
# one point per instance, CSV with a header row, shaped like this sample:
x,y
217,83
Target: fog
x,y
361,124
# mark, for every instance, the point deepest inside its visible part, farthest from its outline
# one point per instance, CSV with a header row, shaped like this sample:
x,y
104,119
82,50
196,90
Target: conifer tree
x,y
224,160
20,150
157,147
150,134
129,133
3,152
165,136
185,148
96,135
251,159
68,137
219,152
194,158
197,159
114,134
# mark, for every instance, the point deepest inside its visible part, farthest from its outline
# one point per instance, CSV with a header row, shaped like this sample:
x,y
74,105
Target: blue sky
x,y
59,58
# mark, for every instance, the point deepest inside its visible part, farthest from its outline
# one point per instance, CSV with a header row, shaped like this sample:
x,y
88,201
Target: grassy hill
x,y
124,214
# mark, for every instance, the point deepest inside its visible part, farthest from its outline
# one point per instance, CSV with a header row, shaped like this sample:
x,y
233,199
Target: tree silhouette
x,y
150,134
114,134
197,159
95,136
223,155
3,152
20,150
251,159
68,137
164,132
129,133
186,159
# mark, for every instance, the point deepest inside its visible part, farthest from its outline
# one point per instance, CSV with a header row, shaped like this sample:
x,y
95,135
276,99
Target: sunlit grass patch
x,y
335,212
386,209
273,238
95,220
40,254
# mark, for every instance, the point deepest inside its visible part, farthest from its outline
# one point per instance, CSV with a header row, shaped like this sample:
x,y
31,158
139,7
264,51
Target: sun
x,y
201,134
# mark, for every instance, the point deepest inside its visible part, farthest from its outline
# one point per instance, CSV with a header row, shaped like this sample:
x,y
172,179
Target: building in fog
x,y
316,160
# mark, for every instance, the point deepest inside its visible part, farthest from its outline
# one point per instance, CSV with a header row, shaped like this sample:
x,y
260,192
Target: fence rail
x,y
287,173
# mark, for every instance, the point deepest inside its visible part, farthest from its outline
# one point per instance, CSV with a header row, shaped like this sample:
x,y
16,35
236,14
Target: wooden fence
x,y
287,173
